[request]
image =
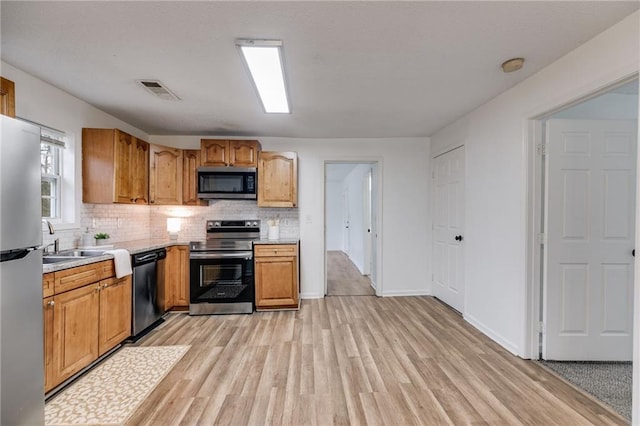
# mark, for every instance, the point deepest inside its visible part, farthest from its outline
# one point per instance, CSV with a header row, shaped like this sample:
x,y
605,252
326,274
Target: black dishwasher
x,y
147,307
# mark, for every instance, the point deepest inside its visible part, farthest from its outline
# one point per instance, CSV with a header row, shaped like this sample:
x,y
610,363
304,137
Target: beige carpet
x,y
112,391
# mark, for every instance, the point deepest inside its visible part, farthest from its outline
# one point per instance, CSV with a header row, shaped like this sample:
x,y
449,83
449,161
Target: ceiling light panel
x,y
263,59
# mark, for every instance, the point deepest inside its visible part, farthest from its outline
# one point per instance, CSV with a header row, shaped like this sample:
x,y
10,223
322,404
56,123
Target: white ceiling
x,y
355,69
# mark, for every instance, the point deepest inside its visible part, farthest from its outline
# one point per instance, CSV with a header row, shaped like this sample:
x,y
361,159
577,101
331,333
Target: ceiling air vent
x,y
156,88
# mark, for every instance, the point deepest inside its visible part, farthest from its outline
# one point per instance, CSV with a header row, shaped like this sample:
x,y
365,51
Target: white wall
x,y
497,166
334,201
405,254
45,104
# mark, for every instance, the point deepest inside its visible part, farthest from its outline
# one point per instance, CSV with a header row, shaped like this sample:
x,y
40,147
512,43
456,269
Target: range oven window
x,y
222,280
220,274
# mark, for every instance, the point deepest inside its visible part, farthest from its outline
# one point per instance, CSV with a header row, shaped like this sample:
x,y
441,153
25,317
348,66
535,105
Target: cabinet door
x,y
215,152
276,282
7,97
75,331
190,164
47,284
177,273
165,181
123,151
243,153
139,172
115,312
47,310
278,179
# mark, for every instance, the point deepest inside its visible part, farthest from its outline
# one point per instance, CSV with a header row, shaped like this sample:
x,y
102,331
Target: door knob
x,y
458,237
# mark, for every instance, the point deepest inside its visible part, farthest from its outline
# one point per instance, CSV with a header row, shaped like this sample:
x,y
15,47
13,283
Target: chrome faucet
x,y
51,230
56,242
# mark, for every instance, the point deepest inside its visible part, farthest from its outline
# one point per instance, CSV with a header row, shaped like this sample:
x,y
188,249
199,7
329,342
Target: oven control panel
x,y
232,224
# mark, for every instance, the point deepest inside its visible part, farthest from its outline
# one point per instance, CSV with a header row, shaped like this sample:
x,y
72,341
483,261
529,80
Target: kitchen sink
x,y
57,259
70,255
78,253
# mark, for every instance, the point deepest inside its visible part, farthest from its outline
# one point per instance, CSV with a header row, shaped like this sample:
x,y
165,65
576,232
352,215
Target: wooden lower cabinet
x,y
176,276
75,331
83,323
47,309
276,276
115,313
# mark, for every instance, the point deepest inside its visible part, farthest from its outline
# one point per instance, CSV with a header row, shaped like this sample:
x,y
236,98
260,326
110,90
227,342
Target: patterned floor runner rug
x,y
110,393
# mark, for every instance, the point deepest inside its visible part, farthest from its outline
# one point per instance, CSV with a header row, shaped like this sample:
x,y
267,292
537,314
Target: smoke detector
x,y
156,88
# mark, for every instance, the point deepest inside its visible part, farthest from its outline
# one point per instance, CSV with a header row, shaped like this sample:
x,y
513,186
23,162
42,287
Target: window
x,y
51,151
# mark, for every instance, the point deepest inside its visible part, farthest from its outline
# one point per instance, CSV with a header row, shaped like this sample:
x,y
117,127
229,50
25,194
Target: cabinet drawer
x,y
47,284
68,279
107,269
268,250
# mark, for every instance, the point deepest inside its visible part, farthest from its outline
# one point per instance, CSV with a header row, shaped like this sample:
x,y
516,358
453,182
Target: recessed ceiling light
x,y
263,58
512,64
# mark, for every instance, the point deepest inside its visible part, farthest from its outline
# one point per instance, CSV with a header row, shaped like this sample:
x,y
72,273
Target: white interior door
x,y
346,218
590,226
367,228
448,227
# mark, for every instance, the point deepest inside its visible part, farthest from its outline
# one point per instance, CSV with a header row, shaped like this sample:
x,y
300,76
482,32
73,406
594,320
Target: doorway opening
x,y
351,228
585,217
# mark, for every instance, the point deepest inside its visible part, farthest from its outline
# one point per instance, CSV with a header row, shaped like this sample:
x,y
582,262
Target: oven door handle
x,y
247,255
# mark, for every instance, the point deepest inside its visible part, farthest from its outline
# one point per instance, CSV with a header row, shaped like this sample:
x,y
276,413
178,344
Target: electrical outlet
x,y
93,223
285,222
120,222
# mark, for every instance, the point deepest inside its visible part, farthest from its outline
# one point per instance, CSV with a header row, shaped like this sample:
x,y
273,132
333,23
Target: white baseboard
x,y
311,296
505,343
402,293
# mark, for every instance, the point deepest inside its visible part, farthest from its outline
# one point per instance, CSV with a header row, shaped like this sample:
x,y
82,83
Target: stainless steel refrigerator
x,y
21,328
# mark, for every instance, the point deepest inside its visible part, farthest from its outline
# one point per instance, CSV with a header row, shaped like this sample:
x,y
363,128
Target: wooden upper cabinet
x,y
190,163
139,173
123,158
234,153
278,179
215,152
115,167
165,175
244,153
7,97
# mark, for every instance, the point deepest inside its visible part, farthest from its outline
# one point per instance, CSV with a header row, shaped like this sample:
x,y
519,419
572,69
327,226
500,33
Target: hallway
x,y
344,278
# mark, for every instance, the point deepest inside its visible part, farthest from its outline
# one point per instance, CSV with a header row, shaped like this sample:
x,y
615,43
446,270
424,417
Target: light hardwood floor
x,y
354,360
344,278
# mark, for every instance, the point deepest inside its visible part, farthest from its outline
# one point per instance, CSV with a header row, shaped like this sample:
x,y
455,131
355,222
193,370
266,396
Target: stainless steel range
x,y
222,280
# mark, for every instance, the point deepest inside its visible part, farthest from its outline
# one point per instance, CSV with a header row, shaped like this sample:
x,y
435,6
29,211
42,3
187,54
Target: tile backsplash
x,y
135,222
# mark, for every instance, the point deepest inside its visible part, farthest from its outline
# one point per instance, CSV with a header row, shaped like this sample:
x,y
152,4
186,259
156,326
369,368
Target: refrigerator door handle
x,y
10,255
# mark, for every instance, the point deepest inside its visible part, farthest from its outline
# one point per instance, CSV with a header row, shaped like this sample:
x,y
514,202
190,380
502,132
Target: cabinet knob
x,y
51,303
132,200
152,201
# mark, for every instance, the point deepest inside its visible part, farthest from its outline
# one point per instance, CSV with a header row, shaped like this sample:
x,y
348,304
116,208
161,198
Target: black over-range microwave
x,y
230,183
